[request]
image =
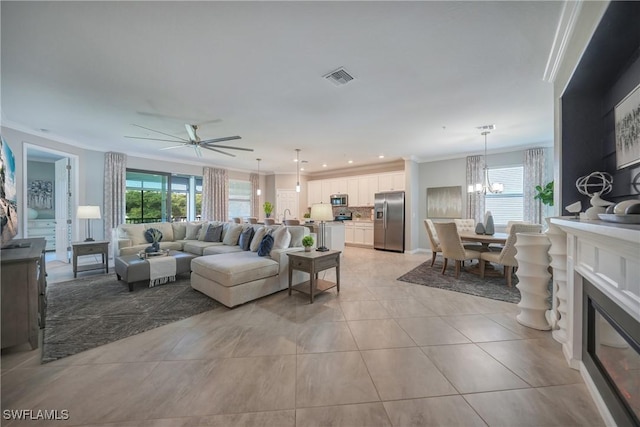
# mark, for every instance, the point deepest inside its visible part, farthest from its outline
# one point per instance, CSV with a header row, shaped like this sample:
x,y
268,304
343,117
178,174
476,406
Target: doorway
x,y
50,190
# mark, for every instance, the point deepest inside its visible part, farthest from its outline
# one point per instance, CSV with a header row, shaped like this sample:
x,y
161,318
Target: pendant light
x,y
258,191
297,170
486,186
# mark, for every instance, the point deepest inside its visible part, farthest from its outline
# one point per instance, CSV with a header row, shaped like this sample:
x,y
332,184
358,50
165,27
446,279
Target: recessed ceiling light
x,y
381,156
350,161
301,169
44,130
324,165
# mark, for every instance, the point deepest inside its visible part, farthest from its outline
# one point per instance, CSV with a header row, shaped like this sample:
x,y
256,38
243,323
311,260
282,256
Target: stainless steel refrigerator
x,y
388,221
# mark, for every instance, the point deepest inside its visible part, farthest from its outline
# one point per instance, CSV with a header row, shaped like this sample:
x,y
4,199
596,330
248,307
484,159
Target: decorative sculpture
x,y
601,182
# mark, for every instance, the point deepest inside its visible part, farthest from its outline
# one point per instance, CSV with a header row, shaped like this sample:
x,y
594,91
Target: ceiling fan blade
x,y
226,138
191,131
154,139
198,151
231,148
157,131
175,146
218,151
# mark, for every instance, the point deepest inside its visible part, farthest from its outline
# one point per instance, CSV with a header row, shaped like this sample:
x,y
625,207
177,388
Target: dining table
x,y
485,240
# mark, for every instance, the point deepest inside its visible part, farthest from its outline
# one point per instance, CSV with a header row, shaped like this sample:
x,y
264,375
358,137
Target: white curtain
x,y
534,169
254,178
475,201
115,188
215,194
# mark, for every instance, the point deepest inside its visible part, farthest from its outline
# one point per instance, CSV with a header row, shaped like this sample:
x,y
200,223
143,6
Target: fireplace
x,y
611,354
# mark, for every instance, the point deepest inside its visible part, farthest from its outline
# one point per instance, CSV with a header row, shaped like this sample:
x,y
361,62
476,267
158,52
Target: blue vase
x,y
479,228
489,228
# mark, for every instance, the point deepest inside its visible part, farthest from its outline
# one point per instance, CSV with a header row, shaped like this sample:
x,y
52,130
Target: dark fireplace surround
x,y
611,354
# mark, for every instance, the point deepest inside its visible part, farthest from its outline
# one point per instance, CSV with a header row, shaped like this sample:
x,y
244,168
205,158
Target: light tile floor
x,y
382,353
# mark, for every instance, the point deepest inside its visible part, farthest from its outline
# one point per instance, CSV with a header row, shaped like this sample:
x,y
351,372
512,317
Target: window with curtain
x,y
508,205
239,198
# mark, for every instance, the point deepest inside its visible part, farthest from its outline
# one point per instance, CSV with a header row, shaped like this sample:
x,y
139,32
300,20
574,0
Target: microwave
x,y
339,200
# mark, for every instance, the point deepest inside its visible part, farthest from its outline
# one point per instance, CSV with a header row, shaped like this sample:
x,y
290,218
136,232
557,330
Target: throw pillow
x,y
232,235
179,230
245,238
257,238
153,235
297,233
281,238
192,231
265,245
213,233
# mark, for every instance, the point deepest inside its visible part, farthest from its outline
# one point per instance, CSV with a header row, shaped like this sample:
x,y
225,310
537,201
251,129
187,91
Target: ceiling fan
x,y
194,141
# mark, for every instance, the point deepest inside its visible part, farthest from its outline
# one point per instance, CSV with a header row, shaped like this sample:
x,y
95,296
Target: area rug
x,y
89,312
468,283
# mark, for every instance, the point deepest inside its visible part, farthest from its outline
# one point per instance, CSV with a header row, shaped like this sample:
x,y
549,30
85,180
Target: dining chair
x,y
507,256
433,239
452,247
465,225
510,223
252,220
291,222
237,220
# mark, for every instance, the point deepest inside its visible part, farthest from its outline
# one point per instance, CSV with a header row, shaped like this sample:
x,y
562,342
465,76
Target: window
x,y
508,205
157,197
239,198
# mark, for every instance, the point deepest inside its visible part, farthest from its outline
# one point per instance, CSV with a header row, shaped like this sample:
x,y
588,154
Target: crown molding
x,y
564,30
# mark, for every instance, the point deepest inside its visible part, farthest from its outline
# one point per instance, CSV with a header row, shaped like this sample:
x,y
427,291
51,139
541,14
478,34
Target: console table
x,y
96,247
312,263
23,291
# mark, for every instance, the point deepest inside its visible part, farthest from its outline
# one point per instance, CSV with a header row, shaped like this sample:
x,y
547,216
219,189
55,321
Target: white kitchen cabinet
x,y
368,235
352,191
338,186
326,190
315,192
391,181
349,228
367,188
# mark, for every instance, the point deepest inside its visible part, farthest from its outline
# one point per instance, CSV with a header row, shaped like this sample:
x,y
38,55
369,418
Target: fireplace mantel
x,y
608,256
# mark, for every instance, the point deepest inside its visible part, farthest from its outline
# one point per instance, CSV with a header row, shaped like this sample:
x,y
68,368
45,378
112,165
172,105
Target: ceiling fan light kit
x,y
194,141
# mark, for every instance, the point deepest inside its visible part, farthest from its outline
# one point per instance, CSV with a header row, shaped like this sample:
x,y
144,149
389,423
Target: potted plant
x,y
545,194
307,242
268,208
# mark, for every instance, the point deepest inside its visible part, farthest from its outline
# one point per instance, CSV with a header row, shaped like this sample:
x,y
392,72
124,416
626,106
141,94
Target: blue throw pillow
x,y
214,233
245,238
266,245
151,233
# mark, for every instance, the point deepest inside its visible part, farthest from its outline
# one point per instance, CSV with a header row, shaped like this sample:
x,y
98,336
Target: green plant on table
x,y
268,209
545,194
307,241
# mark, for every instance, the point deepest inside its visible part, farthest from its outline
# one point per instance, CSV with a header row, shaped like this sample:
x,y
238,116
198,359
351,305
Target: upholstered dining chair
x,y
465,225
452,247
252,220
510,223
237,220
291,222
507,256
433,239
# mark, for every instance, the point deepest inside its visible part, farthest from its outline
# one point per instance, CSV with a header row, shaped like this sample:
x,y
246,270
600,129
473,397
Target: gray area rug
x,y
93,311
468,283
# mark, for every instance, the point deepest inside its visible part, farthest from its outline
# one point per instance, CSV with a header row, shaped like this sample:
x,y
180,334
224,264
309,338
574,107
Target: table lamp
x,y
322,212
88,213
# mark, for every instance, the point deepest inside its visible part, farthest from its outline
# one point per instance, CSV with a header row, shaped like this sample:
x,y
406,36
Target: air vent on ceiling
x,y
339,77
487,127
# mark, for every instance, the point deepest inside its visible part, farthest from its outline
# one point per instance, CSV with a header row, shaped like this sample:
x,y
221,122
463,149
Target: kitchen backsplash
x,y
365,212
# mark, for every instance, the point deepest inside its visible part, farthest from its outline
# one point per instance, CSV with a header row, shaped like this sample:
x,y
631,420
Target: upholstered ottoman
x,y
235,278
131,269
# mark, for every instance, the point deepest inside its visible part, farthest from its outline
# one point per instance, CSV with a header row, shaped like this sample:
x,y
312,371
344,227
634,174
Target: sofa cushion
x,y
297,233
196,246
234,269
213,233
165,228
245,238
265,245
221,249
192,231
135,233
257,238
232,235
281,238
179,230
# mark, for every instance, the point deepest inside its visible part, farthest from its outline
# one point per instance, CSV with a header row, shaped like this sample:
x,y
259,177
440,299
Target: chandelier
x,y
486,186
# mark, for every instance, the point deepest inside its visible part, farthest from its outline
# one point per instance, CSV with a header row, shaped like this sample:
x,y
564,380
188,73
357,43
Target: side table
x,y
312,263
90,248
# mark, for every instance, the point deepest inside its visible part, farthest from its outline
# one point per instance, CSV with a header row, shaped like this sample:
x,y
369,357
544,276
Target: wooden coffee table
x,y
312,263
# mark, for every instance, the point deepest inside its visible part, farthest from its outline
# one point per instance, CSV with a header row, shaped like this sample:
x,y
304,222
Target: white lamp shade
x,y
88,212
321,212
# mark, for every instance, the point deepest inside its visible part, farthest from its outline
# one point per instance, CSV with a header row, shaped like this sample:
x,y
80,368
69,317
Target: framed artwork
x,y
627,118
444,202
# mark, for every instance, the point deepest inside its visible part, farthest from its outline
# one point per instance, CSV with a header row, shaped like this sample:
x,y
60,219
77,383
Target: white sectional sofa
x,y
224,272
